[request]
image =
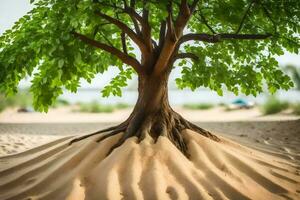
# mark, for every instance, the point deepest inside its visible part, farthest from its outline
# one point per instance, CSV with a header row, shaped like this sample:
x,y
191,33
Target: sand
x,y
65,114
12,144
258,158
224,170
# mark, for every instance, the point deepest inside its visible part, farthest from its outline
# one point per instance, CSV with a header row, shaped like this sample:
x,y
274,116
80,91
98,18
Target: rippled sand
x,y
223,170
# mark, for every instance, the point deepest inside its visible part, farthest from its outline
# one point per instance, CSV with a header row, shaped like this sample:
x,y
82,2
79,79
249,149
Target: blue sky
x,y
12,10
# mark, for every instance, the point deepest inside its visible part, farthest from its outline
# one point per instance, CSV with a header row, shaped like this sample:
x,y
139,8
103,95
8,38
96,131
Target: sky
x,y
12,10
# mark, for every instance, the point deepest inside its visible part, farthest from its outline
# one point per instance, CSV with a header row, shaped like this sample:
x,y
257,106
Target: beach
x,y
257,158
280,132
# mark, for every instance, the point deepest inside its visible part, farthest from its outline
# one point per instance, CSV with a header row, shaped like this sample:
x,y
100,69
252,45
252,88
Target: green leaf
x,y
43,41
61,63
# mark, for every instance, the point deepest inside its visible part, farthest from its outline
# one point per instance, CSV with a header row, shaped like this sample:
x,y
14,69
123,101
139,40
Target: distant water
x,y
176,97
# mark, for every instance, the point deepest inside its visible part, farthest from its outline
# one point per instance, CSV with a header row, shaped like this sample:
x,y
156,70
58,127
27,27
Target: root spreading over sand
x,y
146,170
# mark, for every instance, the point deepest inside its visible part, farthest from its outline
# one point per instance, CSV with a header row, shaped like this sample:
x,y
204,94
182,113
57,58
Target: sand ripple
x,y
224,170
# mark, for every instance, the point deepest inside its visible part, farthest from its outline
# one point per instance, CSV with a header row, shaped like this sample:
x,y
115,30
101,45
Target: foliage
x,y
60,102
115,85
274,105
95,107
295,74
21,99
296,108
121,106
201,106
2,104
43,44
243,65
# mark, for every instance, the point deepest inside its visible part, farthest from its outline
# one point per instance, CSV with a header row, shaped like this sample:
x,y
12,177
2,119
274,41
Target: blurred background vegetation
x,y
294,73
22,101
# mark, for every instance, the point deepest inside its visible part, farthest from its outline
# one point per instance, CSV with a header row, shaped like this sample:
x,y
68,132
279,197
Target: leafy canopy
x,y
223,43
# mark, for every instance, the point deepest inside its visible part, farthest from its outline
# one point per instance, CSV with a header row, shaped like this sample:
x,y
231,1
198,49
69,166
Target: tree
x,y
218,44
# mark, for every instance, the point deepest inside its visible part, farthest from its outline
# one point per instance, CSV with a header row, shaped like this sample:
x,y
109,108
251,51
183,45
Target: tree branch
x,y
269,16
136,25
244,17
171,30
142,20
105,38
126,29
135,17
186,55
134,14
168,50
130,10
123,39
146,28
112,50
182,18
220,37
193,6
206,22
162,34
127,10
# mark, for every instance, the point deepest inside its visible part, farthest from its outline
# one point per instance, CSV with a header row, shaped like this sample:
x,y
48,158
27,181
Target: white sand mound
x,y
223,170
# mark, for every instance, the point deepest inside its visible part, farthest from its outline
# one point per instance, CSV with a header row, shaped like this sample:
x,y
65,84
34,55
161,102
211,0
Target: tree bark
x,y
152,116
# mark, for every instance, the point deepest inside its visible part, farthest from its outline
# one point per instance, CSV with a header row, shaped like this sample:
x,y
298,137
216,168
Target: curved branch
x,y
112,50
130,11
138,40
182,18
105,38
171,29
206,22
244,17
220,37
269,16
134,17
186,55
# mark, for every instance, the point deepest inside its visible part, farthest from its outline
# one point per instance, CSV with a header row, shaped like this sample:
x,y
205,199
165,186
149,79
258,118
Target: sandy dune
x,y
224,170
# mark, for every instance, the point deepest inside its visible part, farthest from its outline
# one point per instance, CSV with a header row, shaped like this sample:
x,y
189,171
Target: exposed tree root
x,y
119,128
169,124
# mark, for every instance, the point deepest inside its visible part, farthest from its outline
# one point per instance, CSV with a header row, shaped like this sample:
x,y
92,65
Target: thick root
x,y
90,135
119,128
169,125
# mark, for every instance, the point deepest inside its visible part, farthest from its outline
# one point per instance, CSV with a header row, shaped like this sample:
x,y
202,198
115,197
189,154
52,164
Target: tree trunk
x,y
152,109
152,116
